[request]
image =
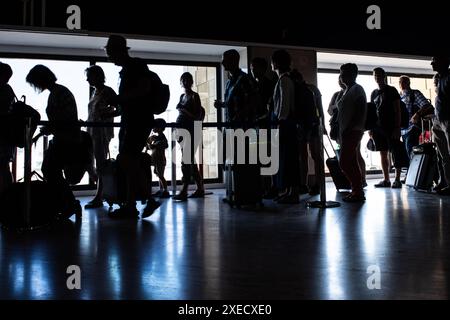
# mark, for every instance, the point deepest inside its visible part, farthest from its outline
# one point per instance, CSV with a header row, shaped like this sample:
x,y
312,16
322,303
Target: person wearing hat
x,y
136,120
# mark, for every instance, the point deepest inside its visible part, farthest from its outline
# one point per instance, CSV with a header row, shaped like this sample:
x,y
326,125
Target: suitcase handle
x,y
430,125
331,144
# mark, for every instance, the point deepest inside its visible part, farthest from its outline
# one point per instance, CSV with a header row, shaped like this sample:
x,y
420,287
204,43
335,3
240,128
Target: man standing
x,y
414,101
387,132
441,124
135,88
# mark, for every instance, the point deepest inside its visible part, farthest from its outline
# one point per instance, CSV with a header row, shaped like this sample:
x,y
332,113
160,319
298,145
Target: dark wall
x,y
416,29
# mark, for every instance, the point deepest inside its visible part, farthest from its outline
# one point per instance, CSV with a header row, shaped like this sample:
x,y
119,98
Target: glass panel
x,y
69,74
204,84
328,85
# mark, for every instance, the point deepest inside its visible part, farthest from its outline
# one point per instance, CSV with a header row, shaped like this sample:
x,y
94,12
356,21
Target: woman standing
x,y
99,110
61,110
190,110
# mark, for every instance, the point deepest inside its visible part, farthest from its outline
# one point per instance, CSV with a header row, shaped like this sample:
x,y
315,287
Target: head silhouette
x,y
230,60
281,61
440,63
186,80
380,76
348,73
116,49
40,78
5,73
95,76
404,83
159,125
258,67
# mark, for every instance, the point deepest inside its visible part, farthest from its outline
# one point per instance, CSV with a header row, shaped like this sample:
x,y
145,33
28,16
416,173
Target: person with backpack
x,y
307,117
265,85
7,97
288,177
414,101
190,110
387,132
61,111
136,97
352,111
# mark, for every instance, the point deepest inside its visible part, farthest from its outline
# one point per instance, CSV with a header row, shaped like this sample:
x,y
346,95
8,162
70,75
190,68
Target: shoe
x,y
280,196
403,181
303,190
396,185
314,191
181,197
288,200
124,213
354,198
439,187
444,192
158,193
94,204
164,194
270,195
150,208
383,184
75,209
197,194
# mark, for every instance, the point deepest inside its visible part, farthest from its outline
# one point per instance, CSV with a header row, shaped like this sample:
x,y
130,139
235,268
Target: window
x,y
205,84
69,74
328,85
72,75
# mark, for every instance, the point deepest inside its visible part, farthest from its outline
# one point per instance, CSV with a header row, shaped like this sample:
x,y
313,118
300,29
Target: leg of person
x,y
200,192
361,165
385,164
5,174
186,172
100,155
441,138
52,169
162,181
349,165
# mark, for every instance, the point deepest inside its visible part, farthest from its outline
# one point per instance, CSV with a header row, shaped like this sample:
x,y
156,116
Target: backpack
x,y
305,112
372,116
160,94
13,125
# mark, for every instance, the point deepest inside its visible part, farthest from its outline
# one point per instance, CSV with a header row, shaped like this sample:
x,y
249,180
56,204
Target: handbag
x,y
334,125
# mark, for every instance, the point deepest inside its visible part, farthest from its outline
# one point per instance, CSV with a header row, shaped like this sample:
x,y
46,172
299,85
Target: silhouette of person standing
x,y
135,89
6,150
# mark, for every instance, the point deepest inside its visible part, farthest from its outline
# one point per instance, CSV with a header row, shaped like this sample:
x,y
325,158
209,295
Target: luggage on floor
x,y
114,183
340,180
43,205
243,185
422,168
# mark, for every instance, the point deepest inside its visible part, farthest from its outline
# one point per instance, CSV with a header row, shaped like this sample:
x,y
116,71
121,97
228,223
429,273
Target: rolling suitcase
x,y
340,180
243,185
114,183
423,166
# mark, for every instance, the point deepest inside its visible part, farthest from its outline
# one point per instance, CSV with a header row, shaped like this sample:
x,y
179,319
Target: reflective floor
x,y
202,249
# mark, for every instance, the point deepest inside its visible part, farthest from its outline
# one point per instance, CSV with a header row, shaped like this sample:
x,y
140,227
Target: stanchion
x,y
322,203
173,166
27,175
